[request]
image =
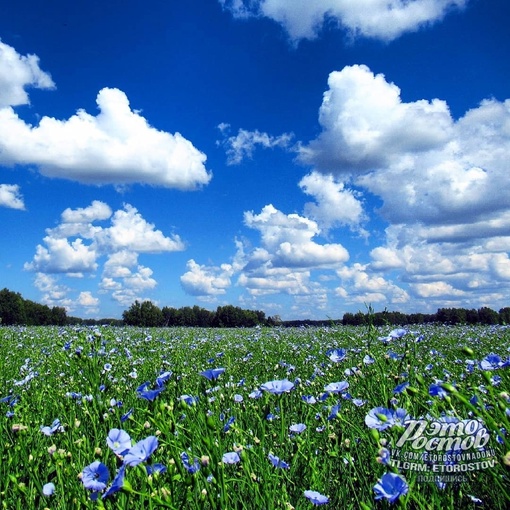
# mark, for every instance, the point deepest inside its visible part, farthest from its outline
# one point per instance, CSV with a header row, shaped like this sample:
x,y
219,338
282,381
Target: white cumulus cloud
x,y
335,204
381,19
288,240
117,146
359,285
78,245
202,280
10,196
130,231
366,126
18,72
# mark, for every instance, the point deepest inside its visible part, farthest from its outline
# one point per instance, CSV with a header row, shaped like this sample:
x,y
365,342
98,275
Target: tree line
x,y
148,314
15,310
482,315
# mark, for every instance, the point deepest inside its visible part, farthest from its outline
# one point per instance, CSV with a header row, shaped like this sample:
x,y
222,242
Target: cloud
x,y
206,281
380,19
11,197
443,184
361,286
18,72
88,302
436,290
446,177
366,126
287,241
94,212
131,232
63,256
243,144
118,146
335,205
463,274
283,263
54,293
78,245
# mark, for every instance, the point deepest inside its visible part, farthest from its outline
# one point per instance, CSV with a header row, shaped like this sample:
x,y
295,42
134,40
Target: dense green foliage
x,y
147,314
16,310
451,316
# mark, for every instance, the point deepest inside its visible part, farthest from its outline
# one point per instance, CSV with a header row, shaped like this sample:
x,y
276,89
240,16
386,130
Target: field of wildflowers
x,y
127,418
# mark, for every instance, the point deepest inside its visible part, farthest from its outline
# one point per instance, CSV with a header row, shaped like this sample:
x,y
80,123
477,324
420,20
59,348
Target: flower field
x,y
187,418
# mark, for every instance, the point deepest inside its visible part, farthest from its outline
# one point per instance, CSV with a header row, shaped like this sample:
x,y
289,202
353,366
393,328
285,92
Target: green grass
x,y
336,457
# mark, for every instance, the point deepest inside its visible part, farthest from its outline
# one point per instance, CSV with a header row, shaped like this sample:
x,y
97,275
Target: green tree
x,y
12,309
504,315
133,316
152,317
488,316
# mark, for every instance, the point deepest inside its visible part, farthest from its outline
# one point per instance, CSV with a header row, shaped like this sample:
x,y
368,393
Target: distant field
x,y
357,417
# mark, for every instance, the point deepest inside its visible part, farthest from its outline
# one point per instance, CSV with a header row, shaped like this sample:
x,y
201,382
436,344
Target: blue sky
x,y
300,158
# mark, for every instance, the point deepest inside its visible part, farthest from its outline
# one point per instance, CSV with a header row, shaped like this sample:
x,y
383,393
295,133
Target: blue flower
x,y
277,462
229,423
117,482
400,417
398,333
368,360
391,486
238,398
190,468
162,378
316,497
188,399
297,428
255,394
118,441
9,399
384,456
54,427
309,399
336,355
336,387
490,362
124,417
496,380
401,387
212,373
48,489
156,468
334,412
95,476
141,451
230,458
436,390
379,418
278,387
150,395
